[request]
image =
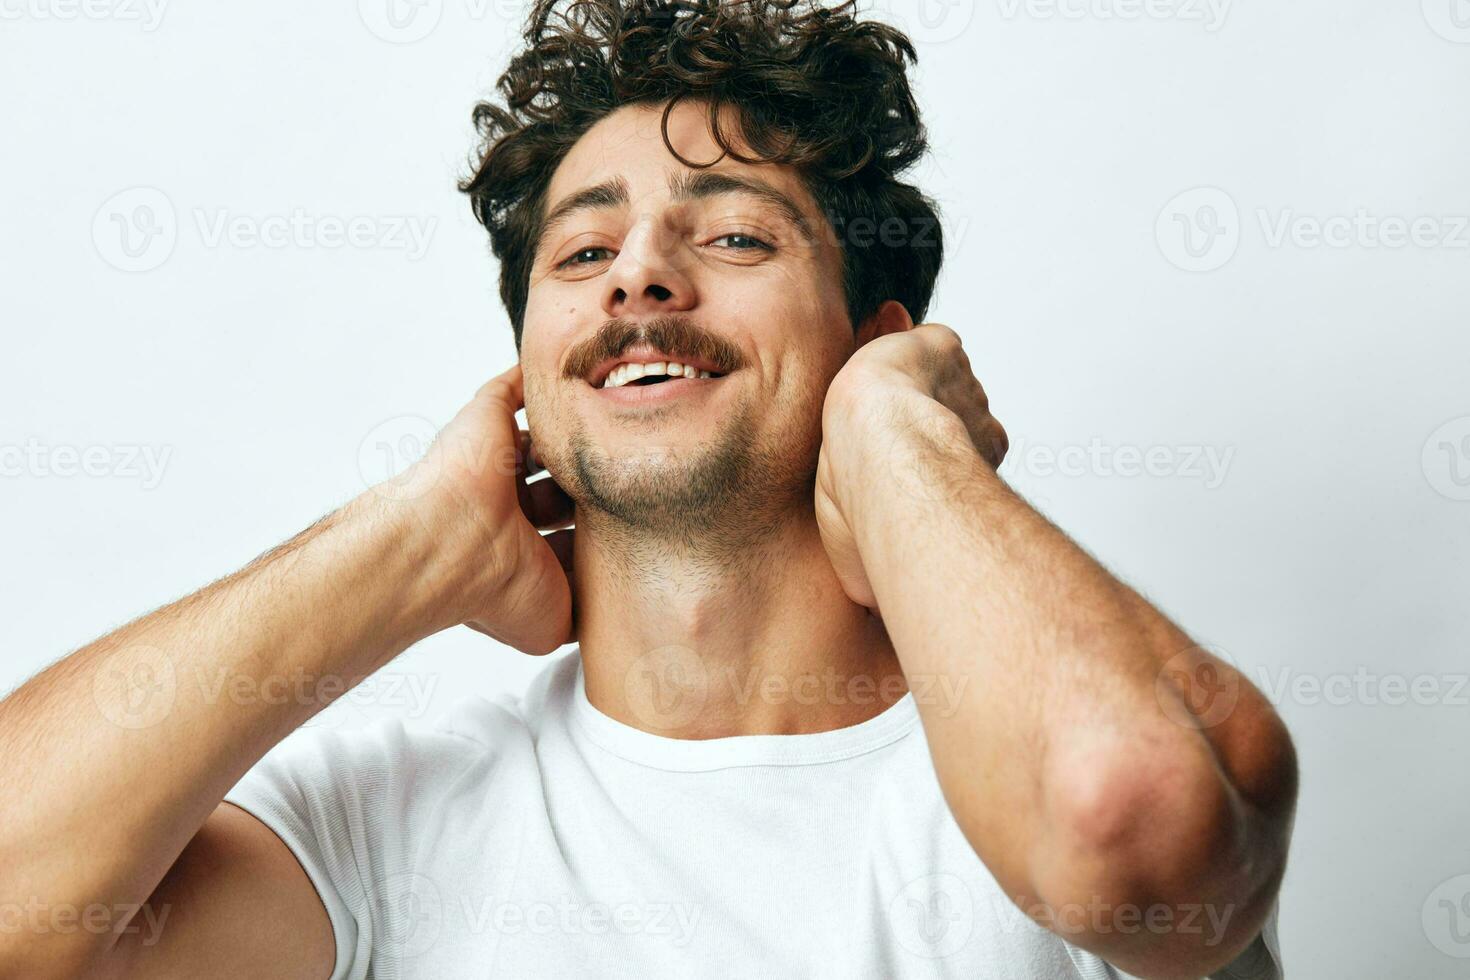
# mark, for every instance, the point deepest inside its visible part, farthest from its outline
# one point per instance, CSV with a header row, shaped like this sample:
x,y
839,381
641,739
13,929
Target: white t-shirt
x,y
537,837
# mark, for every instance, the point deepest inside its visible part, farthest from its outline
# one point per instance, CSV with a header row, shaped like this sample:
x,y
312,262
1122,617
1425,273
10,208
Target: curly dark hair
x,y
811,86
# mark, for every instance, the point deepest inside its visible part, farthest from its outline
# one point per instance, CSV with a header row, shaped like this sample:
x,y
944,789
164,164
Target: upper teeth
x,y
626,372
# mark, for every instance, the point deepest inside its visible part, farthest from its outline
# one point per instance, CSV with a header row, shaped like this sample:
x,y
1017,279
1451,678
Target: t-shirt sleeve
x,y
344,802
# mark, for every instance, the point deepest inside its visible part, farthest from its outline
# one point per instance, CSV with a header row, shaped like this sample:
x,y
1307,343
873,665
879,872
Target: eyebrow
x,y
685,186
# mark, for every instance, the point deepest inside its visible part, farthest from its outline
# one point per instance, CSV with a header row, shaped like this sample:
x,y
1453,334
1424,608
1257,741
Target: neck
x,y
691,639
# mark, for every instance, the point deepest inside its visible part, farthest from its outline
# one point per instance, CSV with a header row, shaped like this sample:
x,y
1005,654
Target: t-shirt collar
x,y
703,755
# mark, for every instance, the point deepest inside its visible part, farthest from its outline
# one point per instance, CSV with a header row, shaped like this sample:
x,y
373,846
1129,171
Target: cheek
x,y
546,327
801,391
802,341
551,424
547,396
538,366
545,344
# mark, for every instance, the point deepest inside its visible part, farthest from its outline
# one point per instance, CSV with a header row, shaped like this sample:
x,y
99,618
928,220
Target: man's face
x,y
692,265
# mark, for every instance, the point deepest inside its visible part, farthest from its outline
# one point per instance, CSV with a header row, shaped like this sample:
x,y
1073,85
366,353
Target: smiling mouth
x,y
658,392
631,374
650,380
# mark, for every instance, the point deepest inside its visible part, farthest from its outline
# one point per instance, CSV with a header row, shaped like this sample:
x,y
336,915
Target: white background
x,y
1325,551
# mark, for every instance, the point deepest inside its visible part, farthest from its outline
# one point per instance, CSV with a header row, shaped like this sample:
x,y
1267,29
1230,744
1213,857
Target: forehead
x,y
626,147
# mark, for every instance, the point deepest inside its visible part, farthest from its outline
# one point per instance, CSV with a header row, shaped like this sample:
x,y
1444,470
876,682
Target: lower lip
x,y
657,394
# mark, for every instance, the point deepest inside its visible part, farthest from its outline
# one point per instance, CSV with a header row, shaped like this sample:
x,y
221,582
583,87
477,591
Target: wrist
x,y
417,556
887,448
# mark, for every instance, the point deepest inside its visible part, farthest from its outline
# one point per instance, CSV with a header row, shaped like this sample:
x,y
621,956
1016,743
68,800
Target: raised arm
x,y
118,853
1116,806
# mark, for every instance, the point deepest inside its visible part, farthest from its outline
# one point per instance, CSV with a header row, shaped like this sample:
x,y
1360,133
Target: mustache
x,y
674,334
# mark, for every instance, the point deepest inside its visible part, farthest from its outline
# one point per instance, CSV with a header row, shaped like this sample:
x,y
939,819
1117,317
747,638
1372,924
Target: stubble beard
x,y
711,500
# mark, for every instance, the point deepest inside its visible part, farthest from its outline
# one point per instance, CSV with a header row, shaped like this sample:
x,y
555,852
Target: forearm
x,y
1077,775
115,755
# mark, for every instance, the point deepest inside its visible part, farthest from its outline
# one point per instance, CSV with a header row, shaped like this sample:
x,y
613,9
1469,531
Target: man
x,y
841,705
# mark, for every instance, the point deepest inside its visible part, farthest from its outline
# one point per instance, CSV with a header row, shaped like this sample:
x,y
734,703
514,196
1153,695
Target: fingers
x,y
506,389
527,464
1002,443
545,504
561,543
990,440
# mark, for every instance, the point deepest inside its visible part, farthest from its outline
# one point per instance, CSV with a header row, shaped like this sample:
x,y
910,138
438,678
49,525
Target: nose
x,y
650,274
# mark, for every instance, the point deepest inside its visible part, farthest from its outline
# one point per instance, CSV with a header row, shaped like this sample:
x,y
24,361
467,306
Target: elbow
x,y
1169,809
1157,861
1138,827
